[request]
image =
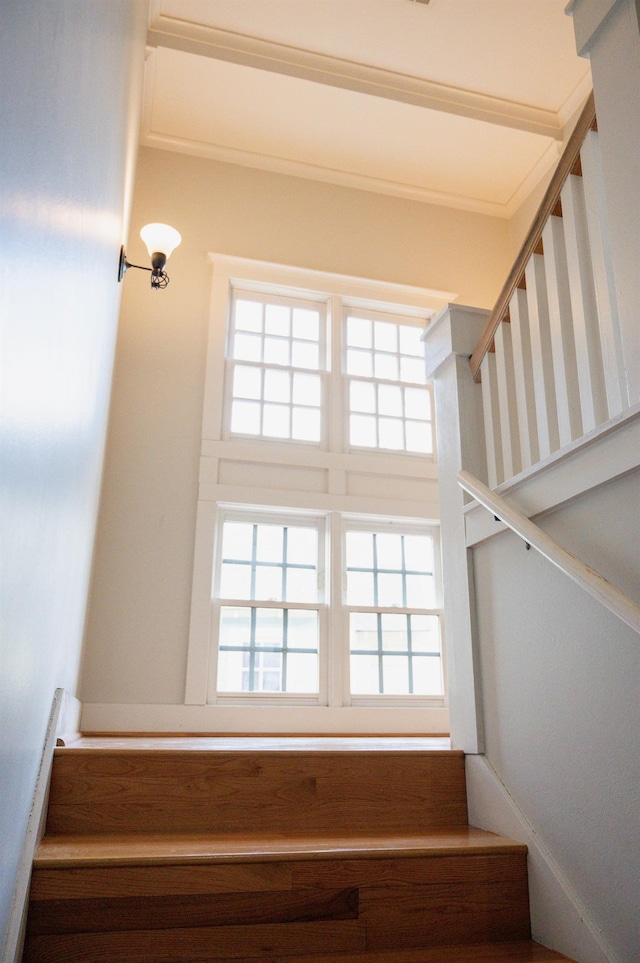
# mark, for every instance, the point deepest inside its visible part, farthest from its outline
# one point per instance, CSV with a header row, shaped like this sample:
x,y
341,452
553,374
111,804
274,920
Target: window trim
x,y
335,480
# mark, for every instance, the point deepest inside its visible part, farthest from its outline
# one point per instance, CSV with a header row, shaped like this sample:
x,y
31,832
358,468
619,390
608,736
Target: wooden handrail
x,y
550,200
616,601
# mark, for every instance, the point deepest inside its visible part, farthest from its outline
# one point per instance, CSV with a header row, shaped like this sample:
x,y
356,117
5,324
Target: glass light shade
x,y
160,238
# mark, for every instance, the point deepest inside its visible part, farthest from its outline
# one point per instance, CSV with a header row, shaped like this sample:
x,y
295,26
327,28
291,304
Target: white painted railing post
x,y
523,375
608,33
563,347
449,342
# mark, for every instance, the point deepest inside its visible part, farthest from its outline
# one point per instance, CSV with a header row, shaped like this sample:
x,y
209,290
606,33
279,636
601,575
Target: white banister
x,y
584,306
523,372
598,587
600,244
492,427
541,357
563,347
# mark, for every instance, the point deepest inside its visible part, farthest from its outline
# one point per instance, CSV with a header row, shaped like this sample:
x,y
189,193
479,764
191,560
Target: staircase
x,y
342,855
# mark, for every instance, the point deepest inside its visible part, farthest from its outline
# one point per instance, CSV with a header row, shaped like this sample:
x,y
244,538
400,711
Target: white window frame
x,y
289,477
239,293
404,527
373,315
244,514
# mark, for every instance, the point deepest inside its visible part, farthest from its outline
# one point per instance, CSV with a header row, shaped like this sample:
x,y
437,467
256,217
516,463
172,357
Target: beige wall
x,y
139,611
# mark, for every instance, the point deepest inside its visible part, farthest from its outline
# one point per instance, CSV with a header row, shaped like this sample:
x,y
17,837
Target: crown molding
x,y
361,182
207,41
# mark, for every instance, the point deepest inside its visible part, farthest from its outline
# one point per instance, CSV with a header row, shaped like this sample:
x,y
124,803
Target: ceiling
x,y
464,103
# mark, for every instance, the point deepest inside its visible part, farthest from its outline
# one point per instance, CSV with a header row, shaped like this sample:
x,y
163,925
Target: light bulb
x,y
160,238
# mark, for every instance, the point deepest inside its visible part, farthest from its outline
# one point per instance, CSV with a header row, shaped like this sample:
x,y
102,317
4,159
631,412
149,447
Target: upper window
x,y
276,351
390,405
280,385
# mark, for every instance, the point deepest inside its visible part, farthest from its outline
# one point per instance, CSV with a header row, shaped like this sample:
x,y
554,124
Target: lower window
x,y
326,609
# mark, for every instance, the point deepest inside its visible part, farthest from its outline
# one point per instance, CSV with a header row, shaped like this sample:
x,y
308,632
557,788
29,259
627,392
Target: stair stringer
x,y
559,919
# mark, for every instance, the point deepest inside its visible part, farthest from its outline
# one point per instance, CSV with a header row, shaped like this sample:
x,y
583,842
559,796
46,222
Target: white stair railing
x,y
598,587
550,359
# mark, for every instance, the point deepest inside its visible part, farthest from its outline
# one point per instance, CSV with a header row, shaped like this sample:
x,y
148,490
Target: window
x,y
390,407
316,586
280,384
274,627
276,348
268,592
394,632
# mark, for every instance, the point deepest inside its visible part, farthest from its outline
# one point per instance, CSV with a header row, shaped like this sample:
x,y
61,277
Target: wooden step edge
x,y
295,751
519,951
144,849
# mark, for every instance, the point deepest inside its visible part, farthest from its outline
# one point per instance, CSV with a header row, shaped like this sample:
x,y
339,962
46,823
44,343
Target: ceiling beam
x,y
207,41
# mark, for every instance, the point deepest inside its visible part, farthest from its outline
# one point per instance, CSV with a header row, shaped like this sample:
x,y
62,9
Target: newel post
x,y
449,342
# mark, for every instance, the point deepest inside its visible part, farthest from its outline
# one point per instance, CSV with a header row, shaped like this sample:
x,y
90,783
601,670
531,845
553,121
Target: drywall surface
x,y
560,681
139,613
71,80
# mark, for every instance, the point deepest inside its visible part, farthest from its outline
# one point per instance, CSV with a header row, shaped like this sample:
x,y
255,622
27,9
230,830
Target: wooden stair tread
x,y
57,851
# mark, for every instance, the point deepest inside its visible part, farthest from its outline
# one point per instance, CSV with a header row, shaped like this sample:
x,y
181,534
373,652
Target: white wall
x,y
139,614
560,681
71,83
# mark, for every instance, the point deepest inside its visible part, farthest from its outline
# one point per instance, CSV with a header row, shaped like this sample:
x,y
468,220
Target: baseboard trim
x,y
64,717
262,719
559,920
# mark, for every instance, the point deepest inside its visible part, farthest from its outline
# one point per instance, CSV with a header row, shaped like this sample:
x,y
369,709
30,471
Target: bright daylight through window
x,y
317,583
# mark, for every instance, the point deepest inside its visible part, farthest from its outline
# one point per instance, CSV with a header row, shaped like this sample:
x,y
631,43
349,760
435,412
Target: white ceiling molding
x,y
292,168
237,48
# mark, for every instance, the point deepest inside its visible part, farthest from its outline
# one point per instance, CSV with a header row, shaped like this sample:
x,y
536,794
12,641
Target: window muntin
x,y
394,634
389,402
276,351
269,573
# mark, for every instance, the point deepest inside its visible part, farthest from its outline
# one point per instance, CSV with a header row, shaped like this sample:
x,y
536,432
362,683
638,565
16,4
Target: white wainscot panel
x,y
395,486
280,477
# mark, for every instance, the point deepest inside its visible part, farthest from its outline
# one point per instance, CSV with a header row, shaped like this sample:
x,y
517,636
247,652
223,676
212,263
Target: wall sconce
x,y
161,240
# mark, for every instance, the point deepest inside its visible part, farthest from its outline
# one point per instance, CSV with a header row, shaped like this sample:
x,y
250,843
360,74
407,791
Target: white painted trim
x,y
328,175
422,466
589,18
551,895
107,717
310,501
544,388
248,51
258,473
449,342
64,718
603,276
350,288
584,308
607,453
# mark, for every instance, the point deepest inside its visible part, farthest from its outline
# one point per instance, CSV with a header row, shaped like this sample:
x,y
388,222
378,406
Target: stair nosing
x,y
205,848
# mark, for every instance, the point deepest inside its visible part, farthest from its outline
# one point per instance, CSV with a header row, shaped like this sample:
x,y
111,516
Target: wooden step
x,y
200,899
112,791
